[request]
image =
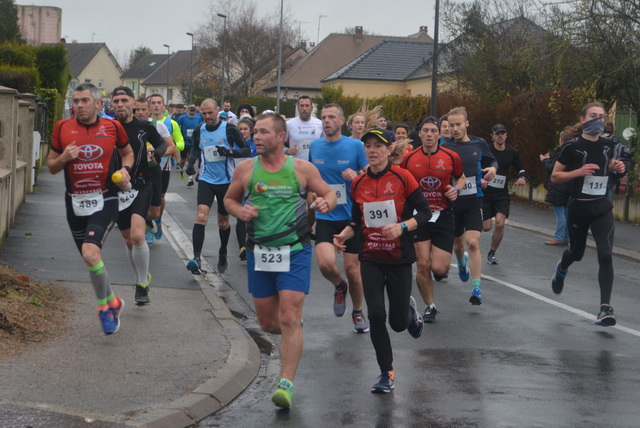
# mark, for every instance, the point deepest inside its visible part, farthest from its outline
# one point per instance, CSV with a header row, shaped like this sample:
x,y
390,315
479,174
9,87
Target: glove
x,y
223,151
190,169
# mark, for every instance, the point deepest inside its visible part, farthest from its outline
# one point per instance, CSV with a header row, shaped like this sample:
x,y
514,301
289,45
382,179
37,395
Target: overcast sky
x,y
124,25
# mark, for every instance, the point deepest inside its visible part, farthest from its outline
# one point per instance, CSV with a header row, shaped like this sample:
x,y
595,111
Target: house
x,y
386,69
172,78
251,84
330,55
138,72
92,63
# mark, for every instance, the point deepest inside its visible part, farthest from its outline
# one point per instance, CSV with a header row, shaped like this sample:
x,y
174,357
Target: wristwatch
x,y
404,226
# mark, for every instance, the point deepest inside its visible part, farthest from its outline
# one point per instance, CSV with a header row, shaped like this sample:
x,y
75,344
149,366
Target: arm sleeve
x,y
195,150
518,164
177,135
235,140
417,200
488,159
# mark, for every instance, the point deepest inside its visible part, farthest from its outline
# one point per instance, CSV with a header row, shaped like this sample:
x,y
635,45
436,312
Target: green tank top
x,y
282,218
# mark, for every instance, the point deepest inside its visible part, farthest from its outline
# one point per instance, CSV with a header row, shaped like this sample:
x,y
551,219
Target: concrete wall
x,y
17,153
624,208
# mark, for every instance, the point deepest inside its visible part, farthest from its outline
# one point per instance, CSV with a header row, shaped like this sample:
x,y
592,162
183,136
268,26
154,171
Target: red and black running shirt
x,y
434,173
92,169
392,184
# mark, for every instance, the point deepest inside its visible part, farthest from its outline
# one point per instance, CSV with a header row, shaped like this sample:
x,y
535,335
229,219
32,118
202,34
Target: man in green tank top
x,y
273,187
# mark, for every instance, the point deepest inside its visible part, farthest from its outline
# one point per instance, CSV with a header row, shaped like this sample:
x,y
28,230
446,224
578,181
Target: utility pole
x,y
434,58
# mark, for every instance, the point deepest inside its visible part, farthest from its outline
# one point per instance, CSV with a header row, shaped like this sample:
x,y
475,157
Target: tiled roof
x,y
145,66
79,55
332,53
178,63
392,60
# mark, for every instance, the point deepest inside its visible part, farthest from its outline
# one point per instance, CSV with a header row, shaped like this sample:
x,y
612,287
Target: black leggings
x,y
598,214
397,279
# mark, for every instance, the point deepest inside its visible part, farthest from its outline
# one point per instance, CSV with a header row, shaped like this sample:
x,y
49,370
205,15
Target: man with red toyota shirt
x,y
435,168
84,148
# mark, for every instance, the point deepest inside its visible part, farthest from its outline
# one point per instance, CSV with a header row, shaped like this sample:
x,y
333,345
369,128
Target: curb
x,y
239,371
621,252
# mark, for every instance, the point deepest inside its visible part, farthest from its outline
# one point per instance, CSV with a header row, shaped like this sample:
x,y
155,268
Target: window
x,y
100,83
87,80
170,94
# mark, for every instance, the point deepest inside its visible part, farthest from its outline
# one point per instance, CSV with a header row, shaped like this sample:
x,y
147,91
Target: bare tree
x,y
250,39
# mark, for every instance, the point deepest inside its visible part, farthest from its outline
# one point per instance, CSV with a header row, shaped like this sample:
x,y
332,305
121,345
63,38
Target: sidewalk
x,y
172,363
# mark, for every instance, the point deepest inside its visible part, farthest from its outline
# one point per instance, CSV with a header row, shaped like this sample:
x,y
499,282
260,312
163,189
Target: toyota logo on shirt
x,y
430,183
90,152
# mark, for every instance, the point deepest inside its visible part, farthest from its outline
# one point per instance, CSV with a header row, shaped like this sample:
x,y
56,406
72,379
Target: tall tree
x,y
137,54
9,28
250,40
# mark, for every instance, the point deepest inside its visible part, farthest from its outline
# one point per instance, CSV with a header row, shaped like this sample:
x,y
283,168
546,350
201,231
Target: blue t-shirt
x,y
215,168
331,158
187,125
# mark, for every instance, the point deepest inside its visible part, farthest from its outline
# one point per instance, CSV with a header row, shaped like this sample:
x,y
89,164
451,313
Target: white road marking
x,y
571,309
173,197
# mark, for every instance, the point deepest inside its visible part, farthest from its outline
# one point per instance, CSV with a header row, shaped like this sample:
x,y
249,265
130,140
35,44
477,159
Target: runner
x,y
245,126
84,147
188,122
302,130
134,204
384,199
213,144
496,192
338,158
476,160
434,168
278,245
588,162
156,105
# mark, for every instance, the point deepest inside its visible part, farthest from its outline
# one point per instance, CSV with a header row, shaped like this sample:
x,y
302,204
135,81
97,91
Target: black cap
x,y
180,106
171,105
498,128
379,134
123,90
192,108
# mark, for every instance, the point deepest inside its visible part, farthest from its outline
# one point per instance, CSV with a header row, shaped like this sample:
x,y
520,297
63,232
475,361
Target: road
x,y
524,357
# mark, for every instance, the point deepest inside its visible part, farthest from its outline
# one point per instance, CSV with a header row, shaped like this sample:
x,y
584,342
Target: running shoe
x,y
606,317
463,271
159,232
143,292
243,254
284,394
148,236
384,385
194,266
440,277
110,319
339,299
360,325
416,325
476,297
430,313
190,182
181,173
557,281
222,263
152,226
491,259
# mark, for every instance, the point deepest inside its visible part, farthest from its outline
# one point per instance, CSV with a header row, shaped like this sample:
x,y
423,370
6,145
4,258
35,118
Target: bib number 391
x,y
272,259
85,204
378,214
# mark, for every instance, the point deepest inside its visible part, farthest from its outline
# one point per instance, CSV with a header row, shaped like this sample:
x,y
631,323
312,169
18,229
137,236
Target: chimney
x,y
424,29
359,35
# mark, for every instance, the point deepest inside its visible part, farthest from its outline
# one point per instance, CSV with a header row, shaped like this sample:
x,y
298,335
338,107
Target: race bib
x,y
498,181
85,204
341,192
469,187
434,216
303,147
272,259
595,186
378,214
189,133
126,198
211,154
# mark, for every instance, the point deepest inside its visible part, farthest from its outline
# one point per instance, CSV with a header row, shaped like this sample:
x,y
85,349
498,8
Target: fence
x,y
23,149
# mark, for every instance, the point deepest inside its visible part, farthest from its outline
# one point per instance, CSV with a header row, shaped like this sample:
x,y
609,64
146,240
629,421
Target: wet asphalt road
x,y
525,357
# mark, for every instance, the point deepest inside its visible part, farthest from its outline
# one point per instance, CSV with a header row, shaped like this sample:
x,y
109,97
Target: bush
x,y
55,108
16,54
23,79
52,66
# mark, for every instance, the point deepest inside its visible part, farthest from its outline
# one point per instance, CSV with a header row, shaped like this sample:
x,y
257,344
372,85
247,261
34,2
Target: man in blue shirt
x,y
188,123
338,158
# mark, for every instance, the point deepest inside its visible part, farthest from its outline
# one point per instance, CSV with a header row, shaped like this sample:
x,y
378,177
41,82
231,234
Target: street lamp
x,y
279,59
191,72
168,57
224,50
434,58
